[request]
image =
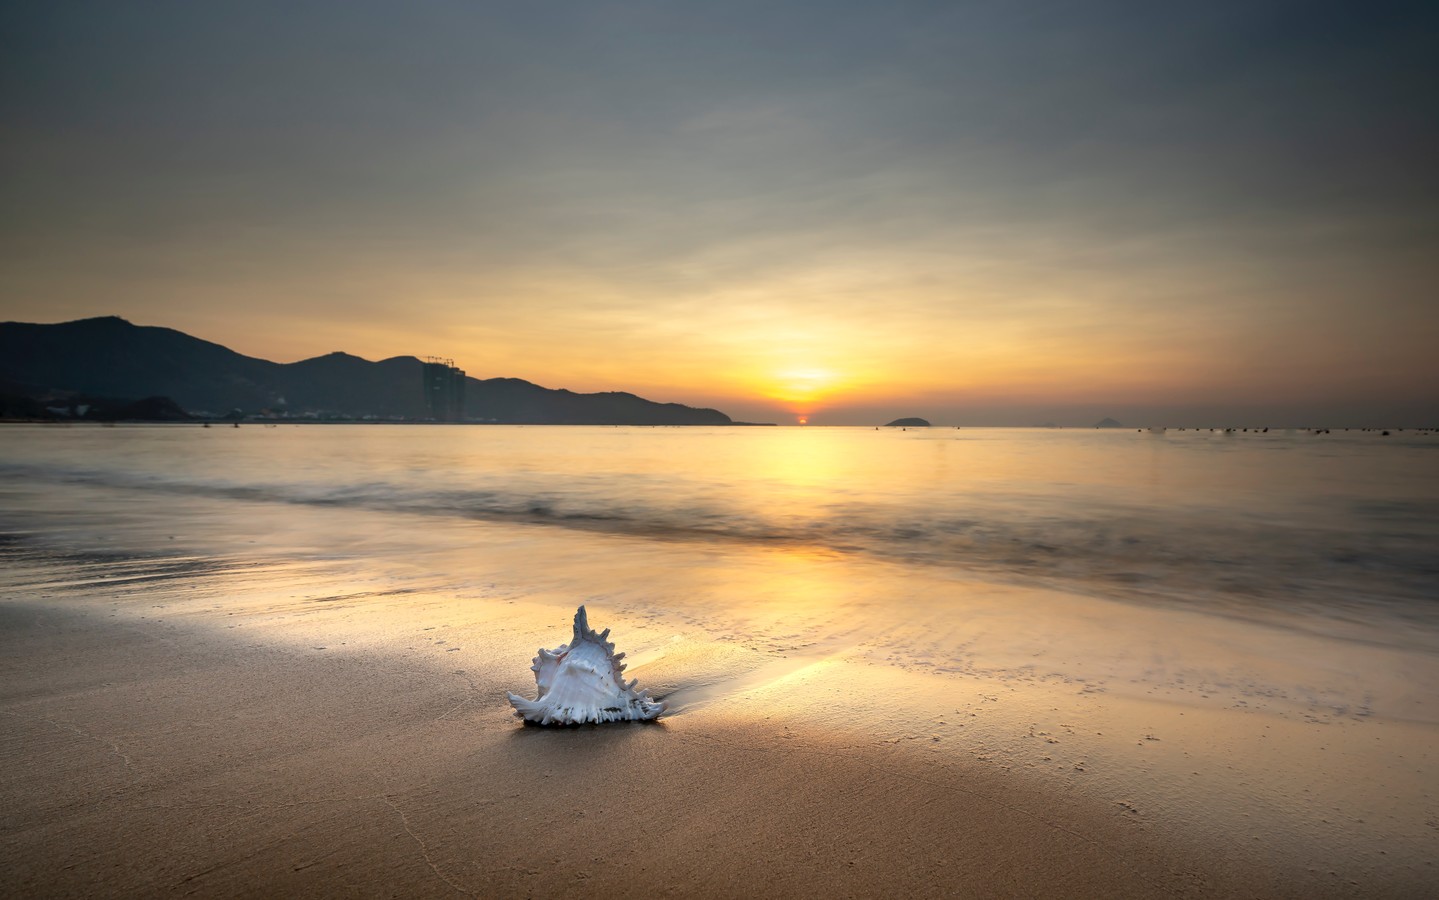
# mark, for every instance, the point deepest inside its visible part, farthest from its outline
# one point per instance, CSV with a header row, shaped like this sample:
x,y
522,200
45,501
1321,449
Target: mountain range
x,y
109,357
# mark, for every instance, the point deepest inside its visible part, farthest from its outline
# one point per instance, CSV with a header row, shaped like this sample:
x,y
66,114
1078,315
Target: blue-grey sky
x,y
978,212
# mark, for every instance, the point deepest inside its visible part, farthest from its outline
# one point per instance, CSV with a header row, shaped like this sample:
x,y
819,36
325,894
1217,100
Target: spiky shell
x,y
582,682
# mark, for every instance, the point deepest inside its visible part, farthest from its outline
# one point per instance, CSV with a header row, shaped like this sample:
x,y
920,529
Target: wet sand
x,y
145,760
228,728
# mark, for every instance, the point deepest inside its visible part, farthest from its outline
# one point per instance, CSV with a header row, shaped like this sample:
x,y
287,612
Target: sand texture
x,y
144,762
358,743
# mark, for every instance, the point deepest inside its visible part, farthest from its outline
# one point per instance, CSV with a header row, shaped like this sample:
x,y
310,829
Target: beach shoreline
x,y
358,741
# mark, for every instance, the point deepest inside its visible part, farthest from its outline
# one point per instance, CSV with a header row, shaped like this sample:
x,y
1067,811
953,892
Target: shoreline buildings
x,y
444,389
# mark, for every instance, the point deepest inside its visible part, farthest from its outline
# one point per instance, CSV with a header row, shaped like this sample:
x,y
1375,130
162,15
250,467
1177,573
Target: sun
x,y
800,389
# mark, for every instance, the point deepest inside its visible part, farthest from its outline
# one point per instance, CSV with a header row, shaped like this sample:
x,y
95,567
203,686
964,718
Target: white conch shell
x,y
581,682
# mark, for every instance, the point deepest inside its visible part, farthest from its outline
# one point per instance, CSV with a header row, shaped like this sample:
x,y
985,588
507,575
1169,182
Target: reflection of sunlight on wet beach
x,y
1175,716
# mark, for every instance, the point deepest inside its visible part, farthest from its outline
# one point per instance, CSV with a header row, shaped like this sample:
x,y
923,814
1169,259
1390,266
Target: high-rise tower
x,y
444,389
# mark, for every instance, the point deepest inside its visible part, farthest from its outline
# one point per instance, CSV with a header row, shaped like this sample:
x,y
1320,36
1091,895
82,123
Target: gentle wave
x,y
1380,556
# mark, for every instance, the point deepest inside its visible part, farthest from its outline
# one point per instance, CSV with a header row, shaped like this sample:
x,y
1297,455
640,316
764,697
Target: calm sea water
x,y
1343,525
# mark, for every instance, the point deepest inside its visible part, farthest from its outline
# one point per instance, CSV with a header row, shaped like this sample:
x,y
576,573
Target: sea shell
x,y
581,682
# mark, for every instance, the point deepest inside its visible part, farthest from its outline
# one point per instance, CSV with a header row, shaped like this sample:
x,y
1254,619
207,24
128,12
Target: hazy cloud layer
x,y
992,210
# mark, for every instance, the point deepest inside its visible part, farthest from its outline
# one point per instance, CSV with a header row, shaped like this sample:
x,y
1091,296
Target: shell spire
x,y
580,682
583,631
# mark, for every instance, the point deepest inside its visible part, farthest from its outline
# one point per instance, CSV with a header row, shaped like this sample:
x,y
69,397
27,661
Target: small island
x,y
1107,423
908,423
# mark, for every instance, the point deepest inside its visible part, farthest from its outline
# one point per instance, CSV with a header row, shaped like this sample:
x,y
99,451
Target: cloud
x,y
1000,198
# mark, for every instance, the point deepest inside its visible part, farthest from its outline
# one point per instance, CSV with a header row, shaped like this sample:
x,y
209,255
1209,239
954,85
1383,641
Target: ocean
x,y
1337,525
954,550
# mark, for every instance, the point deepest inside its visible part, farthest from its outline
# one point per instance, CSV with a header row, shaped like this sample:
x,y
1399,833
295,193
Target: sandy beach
x,y
221,724
231,769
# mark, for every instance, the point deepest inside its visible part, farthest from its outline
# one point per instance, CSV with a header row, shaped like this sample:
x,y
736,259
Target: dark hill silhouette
x,y
111,357
347,385
912,422
150,409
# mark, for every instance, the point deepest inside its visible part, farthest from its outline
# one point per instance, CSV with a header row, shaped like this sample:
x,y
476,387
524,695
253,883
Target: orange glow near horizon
x,y
759,358
802,386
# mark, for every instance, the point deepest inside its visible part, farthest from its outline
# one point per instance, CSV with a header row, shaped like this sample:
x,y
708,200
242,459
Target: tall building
x,y
444,389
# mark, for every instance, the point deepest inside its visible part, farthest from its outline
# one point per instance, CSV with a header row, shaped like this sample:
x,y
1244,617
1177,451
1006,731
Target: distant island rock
x,y
64,406
908,423
1107,423
44,368
149,409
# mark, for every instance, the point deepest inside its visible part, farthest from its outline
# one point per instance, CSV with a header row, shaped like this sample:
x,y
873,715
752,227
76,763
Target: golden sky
x,y
976,213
